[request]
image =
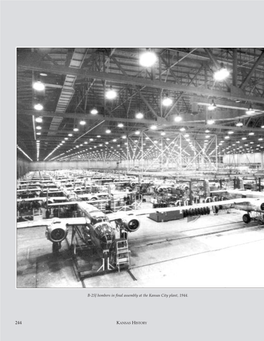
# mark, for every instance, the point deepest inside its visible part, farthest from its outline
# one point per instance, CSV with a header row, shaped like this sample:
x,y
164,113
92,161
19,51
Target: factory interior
x,y
140,167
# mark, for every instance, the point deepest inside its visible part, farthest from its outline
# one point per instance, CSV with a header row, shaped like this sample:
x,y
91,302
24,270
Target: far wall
x,y
246,159
53,165
23,167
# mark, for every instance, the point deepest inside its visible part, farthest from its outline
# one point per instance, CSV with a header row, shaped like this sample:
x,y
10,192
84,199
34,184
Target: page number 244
x,y
18,322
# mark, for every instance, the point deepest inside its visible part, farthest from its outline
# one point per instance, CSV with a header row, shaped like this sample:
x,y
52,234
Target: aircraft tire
x,y
215,209
246,218
207,210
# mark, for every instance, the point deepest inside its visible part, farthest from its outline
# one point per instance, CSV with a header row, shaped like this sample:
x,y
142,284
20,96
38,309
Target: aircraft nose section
x,y
107,240
105,234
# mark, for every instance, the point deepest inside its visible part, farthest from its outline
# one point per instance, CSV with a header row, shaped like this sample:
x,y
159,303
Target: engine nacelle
x,y
131,224
254,205
57,231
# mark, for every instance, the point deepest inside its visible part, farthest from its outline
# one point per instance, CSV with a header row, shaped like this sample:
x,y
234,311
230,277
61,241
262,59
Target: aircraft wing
x,y
47,222
56,198
66,203
239,192
123,214
219,191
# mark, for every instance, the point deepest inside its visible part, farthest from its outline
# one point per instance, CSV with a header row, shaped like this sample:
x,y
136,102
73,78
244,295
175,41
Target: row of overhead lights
x,y
153,128
244,148
147,59
100,145
155,142
212,106
38,145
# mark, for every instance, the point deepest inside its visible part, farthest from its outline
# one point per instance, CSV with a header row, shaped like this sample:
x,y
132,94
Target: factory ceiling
x,y
76,81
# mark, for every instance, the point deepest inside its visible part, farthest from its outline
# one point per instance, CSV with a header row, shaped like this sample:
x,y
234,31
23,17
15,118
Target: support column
x,y
235,67
142,152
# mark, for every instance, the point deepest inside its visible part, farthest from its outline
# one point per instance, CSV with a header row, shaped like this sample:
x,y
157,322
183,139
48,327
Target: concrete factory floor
x,y
208,251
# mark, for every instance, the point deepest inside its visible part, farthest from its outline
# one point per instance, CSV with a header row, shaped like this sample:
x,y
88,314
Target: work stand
x,y
90,261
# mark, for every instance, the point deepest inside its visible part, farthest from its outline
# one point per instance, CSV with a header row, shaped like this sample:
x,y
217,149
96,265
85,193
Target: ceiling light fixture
x,y
94,111
239,124
250,111
38,127
139,115
38,106
111,94
82,122
147,58
39,86
210,121
75,129
212,106
177,118
221,74
39,119
108,131
167,101
153,127
120,125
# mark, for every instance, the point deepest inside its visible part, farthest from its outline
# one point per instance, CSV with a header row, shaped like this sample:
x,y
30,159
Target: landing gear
x,y
215,209
56,247
246,218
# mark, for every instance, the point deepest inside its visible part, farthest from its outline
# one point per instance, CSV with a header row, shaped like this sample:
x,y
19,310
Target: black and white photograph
x,y
140,167
132,170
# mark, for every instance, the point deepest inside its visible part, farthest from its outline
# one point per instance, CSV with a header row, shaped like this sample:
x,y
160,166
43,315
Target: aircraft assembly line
x,y
138,241
139,166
